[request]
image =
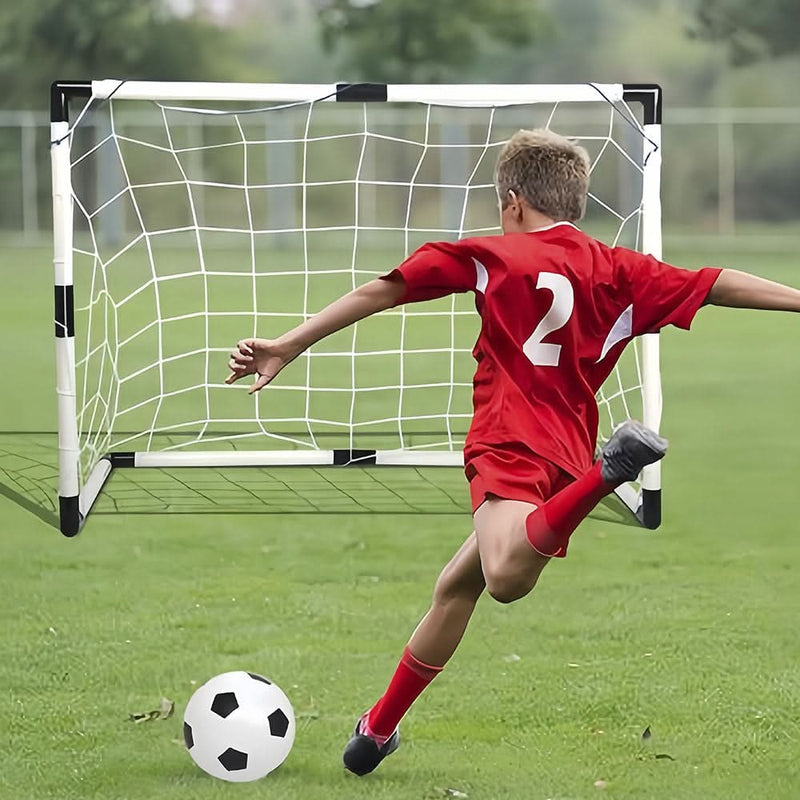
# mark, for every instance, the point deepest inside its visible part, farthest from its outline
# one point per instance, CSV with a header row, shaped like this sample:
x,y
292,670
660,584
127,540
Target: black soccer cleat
x,y
362,754
631,447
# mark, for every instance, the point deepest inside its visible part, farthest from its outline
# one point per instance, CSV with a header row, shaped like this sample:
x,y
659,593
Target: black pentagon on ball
x,y
259,678
233,760
187,735
224,703
278,723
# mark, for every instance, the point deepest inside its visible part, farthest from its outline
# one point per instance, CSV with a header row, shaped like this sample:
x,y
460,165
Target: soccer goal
x,y
188,215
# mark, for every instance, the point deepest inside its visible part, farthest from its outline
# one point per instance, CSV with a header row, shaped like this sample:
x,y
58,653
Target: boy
x,y
557,309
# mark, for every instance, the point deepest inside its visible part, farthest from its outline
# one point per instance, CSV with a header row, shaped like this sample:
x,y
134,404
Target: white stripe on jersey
x,y
622,329
481,276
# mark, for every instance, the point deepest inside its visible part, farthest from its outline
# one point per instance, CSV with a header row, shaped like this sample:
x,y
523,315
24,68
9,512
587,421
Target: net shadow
x,y
286,490
29,478
29,474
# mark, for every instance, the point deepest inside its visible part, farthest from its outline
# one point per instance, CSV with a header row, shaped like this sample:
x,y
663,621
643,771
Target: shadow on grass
x,y
46,515
29,478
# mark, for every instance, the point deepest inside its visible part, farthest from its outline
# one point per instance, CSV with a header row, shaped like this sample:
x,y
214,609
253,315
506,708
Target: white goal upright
x,y
188,215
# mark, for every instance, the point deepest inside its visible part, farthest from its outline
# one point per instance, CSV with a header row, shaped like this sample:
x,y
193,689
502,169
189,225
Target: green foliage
x,y
753,31
66,39
279,42
420,40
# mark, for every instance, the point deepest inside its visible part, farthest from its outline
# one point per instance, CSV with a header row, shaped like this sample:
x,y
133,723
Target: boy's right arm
x,y
267,357
736,289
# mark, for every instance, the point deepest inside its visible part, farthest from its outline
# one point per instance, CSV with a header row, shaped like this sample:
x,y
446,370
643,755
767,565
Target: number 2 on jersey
x,y
537,351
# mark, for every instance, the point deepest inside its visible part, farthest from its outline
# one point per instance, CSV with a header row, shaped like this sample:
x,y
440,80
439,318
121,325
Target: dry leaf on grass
x,y
166,708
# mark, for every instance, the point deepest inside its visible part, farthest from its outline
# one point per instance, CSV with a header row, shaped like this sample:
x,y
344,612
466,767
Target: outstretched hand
x,y
262,357
267,357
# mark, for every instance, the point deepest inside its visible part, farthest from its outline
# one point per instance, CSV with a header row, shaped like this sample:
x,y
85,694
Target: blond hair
x,y
550,171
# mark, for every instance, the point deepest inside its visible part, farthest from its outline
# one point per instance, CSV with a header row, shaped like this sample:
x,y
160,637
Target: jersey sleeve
x,y
435,270
661,294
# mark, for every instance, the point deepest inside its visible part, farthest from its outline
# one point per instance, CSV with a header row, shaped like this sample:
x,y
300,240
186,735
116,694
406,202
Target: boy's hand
x,y
262,357
267,357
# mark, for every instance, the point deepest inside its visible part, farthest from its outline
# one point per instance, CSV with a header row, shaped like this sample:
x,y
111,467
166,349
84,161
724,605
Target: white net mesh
x,y
195,228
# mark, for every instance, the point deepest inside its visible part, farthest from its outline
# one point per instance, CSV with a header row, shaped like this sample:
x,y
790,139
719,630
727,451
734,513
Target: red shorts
x,y
512,472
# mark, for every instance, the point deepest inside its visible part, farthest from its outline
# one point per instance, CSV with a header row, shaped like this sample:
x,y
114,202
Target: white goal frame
x,y
76,497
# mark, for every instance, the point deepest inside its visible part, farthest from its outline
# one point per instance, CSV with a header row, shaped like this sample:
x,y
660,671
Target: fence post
x,y
30,178
726,177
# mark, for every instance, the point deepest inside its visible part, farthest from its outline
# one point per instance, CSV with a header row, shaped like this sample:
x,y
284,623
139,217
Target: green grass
x,y
691,631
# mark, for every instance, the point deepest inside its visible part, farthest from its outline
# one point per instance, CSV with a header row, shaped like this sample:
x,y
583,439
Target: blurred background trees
x,y
419,41
723,53
751,31
688,46
48,39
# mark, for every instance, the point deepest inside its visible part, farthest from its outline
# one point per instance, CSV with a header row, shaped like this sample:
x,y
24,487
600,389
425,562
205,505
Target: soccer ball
x,y
238,726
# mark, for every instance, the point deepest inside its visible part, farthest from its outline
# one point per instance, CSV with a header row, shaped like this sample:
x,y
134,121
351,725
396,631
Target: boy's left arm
x,y
735,289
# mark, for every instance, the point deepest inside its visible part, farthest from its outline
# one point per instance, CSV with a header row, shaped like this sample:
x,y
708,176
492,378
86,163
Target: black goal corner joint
x,y
70,518
60,94
650,96
649,512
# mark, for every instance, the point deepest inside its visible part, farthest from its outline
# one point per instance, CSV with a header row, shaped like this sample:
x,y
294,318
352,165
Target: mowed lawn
x,y
690,633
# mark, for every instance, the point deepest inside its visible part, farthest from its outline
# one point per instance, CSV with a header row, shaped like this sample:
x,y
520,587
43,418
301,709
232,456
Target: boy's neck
x,y
517,216
534,220
523,219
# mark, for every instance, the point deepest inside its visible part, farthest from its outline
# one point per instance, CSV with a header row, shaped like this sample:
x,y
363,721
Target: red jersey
x,y
557,309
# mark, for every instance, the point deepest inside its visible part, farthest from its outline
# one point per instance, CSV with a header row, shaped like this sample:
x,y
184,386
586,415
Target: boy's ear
x,y
514,204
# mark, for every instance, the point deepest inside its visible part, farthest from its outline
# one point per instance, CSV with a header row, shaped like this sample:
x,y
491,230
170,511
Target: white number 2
x,y
539,352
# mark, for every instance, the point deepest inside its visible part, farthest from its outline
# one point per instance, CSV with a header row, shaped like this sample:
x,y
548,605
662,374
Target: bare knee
x,y
506,588
506,582
510,565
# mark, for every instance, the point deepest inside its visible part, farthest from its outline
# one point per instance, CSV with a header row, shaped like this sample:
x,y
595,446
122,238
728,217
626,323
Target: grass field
x,y
690,632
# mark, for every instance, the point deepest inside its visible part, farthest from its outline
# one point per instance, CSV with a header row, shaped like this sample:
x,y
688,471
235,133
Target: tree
x,y
408,41
50,39
753,30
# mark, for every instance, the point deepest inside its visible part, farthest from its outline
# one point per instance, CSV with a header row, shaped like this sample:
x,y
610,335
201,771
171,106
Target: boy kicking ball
x,y
557,309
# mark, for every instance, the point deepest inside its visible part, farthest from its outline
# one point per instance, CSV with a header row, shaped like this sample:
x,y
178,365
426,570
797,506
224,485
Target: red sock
x,y
550,526
408,682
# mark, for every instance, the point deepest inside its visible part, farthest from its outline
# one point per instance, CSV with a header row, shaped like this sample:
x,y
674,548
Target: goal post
x,y
187,215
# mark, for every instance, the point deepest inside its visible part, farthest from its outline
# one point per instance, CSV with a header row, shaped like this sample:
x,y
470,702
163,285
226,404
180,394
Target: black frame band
x,y
60,94
361,92
64,311
649,95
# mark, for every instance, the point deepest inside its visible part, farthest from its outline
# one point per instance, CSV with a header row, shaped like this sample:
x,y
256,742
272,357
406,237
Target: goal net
x,y
188,216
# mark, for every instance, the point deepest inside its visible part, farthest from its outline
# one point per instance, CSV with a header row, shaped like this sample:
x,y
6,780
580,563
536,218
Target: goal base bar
x,y
644,506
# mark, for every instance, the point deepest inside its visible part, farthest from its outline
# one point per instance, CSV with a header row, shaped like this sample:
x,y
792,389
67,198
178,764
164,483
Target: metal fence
x,y
727,171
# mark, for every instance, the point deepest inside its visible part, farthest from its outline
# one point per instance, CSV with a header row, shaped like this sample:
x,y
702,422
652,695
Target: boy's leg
x,y
497,556
457,590
512,543
517,539
510,565
435,639
631,447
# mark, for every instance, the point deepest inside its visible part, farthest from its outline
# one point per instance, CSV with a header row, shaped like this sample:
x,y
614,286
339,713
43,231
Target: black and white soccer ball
x,y
238,726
